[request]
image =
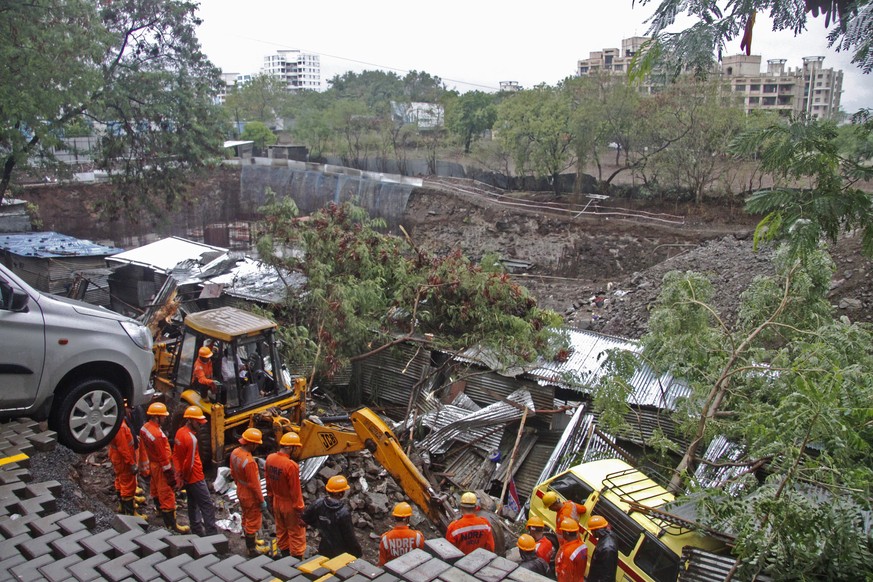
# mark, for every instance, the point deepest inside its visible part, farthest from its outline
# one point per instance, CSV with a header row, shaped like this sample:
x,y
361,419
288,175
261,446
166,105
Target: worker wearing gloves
x,y
563,509
470,531
527,549
604,560
401,539
285,498
333,519
163,476
201,375
186,456
572,558
122,454
244,470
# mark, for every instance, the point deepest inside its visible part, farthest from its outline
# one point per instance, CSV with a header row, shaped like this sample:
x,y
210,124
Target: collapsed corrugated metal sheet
x,y
702,566
390,376
255,281
166,253
48,245
474,426
720,449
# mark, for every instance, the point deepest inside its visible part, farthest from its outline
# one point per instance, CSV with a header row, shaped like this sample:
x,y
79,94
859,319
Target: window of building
x,y
740,88
769,88
618,67
730,70
769,101
818,84
754,87
753,100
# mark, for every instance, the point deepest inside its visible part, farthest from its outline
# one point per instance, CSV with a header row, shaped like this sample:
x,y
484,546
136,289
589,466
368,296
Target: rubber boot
x,y
254,548
170,522
140,493
140,499
128,507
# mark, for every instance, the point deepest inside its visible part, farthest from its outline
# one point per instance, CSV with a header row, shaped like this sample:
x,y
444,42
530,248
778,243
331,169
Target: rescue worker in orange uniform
x,y
122,454
163,476
563,510
401,539
201,375
536,529
244,470
186,456
285,498
572,558
470,531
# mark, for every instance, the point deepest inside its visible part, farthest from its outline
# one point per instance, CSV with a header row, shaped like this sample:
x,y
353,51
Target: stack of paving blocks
x,y
38,543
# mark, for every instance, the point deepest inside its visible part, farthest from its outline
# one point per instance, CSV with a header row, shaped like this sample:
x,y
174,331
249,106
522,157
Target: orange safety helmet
x,y
337,484
290,439
251,436
569,524
402,509
596,522
157,409
536,522
204,352
526,543
195,413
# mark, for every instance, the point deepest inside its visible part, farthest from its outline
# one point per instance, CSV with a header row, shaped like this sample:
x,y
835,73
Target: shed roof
x,y
166,253
46,245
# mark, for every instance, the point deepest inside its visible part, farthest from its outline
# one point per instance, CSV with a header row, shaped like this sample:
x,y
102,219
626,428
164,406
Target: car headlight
x,y
140,334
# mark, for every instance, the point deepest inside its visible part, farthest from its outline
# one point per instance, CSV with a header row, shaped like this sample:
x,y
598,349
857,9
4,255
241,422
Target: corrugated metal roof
x,y
164,254
52,245
255,280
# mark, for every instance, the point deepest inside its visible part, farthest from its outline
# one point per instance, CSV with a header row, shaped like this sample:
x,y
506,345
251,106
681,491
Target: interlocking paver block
x,y
283,568
9,547
59,570
15,527
47,524
125,523
454,574
367,569
386,577
180,545
69,545
501,563
198,570
86,570
407,562
80,521
98,543
226,569
116,569
216,544
42,505
40,546
312,564
7,565
523,575
338,562
475,560
13,473
144,568
254,567
125,543
28,570
428,571
443,549
11,490
171,570
489,574
52,488
153,542
44,441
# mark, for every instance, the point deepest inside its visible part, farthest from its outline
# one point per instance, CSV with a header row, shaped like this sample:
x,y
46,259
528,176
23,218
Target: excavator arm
x,y
371,433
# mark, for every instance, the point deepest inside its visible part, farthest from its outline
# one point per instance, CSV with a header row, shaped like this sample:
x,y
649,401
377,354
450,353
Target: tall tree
x,y
261,99
136,74
470,114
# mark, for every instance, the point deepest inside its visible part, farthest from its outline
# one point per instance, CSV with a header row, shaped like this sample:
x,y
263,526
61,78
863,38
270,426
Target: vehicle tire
x,y
88,415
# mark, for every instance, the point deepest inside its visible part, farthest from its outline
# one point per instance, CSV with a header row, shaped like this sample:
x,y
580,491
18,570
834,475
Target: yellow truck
x,y
649,534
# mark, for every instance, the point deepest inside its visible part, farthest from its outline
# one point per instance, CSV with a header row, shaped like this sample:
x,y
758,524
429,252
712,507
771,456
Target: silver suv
x,y
70,362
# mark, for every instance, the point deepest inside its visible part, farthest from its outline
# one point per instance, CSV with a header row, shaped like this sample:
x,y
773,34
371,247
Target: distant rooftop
x,y
47,245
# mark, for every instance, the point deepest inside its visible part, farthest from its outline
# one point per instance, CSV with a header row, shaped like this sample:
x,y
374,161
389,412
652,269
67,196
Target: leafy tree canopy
x,y
261,99
132,69
367,291
470,114
258,133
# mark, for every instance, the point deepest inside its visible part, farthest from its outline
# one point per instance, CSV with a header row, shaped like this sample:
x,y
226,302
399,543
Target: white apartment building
x,y
231,81
809,89
298,70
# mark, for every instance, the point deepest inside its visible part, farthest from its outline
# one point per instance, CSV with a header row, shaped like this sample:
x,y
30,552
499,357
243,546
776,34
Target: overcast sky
x,y
471,44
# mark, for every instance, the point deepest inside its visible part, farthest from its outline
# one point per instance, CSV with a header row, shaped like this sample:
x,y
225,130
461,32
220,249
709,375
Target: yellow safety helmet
x,y
337,484
569,524
549,498
526,543
290,439
157,409
251,436
536,522
195,413
204,352
597,522
469,499
402,509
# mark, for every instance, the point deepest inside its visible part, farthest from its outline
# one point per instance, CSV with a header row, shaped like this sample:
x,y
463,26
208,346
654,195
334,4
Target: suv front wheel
x,y
88,415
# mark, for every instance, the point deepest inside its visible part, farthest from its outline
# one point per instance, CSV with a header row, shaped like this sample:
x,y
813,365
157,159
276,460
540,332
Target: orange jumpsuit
x,y
398,541
571,561
202,374
544,549
283,490
186,456
470,532
123,456
244,471
570,509
157,447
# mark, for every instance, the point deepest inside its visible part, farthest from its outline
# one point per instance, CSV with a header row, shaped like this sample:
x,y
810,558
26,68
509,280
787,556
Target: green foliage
x,y
792,386
367,289
261,99
470,114
259,133
134,67
815,193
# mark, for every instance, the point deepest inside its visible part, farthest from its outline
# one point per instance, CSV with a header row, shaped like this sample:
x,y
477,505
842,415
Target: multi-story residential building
x,y
298,70
510,86
231,81
809,89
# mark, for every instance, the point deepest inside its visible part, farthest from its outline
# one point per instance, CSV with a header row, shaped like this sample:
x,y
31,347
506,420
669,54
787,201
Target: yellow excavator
x,y
256,390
